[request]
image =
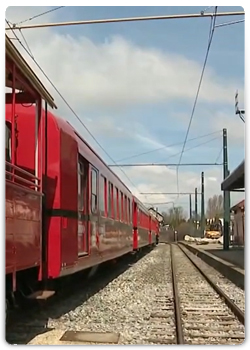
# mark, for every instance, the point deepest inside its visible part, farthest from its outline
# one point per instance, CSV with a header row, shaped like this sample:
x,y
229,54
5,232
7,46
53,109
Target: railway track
x,y
204,313
162,299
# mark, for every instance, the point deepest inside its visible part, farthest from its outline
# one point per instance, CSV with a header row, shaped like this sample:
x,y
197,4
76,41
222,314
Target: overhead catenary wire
x,y
36,16
211,15
173,155
71,109
229,23
197,95
170,145
195,146
31,54
219,155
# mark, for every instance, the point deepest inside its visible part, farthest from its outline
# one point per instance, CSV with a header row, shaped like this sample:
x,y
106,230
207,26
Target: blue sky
x,y
134,85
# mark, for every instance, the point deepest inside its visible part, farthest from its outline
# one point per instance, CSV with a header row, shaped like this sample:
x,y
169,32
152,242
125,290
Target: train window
x,y
111,201
7,143
93,191
117,204
121,207
125,209
129,211
102,197
80,186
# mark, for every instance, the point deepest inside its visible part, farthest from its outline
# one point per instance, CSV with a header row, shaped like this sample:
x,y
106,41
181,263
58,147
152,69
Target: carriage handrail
x,y
21,170
33,181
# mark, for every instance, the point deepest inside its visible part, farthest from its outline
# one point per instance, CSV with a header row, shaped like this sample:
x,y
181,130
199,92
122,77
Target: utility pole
x,y
190,207
196,207
226,195
202,204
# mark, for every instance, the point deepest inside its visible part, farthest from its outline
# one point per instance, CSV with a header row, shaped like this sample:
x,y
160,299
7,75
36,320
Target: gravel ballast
x,y
128,303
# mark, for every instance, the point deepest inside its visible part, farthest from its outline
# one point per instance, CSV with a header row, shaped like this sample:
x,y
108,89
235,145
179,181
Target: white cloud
x,y
163,179
115,74
119,73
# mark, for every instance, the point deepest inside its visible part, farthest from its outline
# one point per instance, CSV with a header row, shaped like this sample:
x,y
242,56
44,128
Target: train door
x,y
150,230
93,208
83,227
135,228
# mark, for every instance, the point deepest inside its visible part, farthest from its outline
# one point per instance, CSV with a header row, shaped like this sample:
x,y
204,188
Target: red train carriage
x,y
155,229
23,197
65,209
142,225
88,209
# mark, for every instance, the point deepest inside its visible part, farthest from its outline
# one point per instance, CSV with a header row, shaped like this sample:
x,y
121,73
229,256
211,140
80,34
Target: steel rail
x,y
234,308
177,310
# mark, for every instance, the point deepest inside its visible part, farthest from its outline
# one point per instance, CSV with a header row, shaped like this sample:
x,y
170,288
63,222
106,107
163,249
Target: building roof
x,y
236,180
240,205
14,55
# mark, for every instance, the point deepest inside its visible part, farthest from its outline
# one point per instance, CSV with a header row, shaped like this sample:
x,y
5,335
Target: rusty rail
x,y
234,308
178,320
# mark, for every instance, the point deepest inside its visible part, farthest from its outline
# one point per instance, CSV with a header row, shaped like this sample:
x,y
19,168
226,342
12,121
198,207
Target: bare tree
x,y
215,207
174,217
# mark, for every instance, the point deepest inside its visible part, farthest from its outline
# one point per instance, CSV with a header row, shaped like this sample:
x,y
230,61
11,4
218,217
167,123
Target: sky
x,y
134,84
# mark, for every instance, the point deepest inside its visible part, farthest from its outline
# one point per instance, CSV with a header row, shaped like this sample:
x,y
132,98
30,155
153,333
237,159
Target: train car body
x,y
23,189
66,210
87,209
143,223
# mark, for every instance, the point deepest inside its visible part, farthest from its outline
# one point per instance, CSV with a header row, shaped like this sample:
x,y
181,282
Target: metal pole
x,y
202,205
190,207
226,195
128,19
44,202
196,207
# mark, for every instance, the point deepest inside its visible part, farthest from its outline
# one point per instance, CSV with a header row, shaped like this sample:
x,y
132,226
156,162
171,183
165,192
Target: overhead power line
x,y
169,193
229,23
171,145
129,19
193,147
36,16
162,164
71,109
197,95
198,89
219,155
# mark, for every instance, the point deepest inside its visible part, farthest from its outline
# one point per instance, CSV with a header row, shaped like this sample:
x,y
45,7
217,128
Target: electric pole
x,y
196,207
190,207
226,195
202,204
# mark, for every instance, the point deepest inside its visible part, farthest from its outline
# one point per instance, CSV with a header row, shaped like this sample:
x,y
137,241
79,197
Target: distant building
x,y
238,223
235,182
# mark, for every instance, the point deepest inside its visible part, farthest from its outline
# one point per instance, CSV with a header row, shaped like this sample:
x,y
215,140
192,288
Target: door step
x,y
41,295
80,255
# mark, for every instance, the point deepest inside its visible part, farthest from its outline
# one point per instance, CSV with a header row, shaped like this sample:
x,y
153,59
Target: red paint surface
x,y
23,228
108,238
